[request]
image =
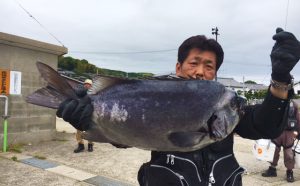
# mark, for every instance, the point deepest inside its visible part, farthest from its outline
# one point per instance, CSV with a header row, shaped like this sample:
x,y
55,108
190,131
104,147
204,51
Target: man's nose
x,y
199,72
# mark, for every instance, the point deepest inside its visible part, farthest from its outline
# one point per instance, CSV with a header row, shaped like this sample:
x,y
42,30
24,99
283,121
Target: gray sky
x,y
108,33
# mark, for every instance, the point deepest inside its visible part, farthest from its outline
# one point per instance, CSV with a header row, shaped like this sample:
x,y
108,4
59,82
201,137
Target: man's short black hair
x,y
202,43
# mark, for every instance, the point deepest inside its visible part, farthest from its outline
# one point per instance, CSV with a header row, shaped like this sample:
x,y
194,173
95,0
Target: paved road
x,y
54,163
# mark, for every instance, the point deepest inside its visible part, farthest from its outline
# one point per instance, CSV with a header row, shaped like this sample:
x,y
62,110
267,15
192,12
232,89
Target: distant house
x,y
255,87
68,73
231,83
297,88
238,86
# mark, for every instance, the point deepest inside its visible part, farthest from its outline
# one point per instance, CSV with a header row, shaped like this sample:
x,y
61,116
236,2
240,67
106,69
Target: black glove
x,y
77,112
81,91
284,56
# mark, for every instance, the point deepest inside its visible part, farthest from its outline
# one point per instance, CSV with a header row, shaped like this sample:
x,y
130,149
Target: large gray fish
x,y
161,115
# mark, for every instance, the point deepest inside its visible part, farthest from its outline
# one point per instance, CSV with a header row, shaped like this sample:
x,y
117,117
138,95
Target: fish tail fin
x,y
46,97
57,90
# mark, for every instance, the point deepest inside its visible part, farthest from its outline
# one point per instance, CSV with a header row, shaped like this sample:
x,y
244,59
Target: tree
x,y
250,82
249,95
83,68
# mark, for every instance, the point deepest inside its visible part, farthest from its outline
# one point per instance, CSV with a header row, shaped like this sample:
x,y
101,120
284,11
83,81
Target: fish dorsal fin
x,y
102,82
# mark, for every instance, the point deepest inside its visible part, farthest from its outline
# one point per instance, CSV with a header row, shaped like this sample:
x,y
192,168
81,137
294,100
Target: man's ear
x,y
215,78
178,67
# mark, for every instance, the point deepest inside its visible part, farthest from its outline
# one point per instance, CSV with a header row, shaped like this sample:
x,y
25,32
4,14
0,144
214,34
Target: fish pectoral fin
x,y
186,139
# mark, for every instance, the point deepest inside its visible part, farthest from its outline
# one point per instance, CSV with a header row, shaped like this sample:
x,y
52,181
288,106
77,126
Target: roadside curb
x,y
63,170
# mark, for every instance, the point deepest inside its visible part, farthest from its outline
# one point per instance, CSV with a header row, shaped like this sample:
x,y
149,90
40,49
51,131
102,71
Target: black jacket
x,y
216,163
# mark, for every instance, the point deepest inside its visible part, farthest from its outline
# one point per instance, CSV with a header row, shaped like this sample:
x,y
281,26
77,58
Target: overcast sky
x,y
120,34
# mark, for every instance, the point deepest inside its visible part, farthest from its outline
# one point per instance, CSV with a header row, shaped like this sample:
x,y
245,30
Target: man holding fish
x,y
216,164
190,145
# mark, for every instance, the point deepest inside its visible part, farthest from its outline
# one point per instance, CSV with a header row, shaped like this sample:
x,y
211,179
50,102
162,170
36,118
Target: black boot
x,y
289,176
271,172
90,147
80,148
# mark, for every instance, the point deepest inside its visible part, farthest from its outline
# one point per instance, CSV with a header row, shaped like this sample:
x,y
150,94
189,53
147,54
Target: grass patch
x,y
15,148
60,140
39,157
14,158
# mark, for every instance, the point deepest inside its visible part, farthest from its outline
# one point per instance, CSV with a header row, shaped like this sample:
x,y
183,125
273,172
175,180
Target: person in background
x,y
86,85
286,140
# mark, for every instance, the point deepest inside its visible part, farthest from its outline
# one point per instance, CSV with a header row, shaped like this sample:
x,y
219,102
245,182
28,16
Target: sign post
x,y
10,84
15,83
4,81
5,116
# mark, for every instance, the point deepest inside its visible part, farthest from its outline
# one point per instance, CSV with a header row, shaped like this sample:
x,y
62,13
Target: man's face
x,y
198,65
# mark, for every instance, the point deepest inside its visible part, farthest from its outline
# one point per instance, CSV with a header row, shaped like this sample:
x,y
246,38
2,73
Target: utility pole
x,y
243,86
215,31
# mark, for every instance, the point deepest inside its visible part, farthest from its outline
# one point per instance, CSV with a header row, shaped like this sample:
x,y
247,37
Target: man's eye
x,y
193,63
210,67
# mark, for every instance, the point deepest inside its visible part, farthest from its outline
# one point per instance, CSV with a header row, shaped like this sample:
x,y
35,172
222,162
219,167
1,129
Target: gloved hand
x,y
284,56
81,91
77,112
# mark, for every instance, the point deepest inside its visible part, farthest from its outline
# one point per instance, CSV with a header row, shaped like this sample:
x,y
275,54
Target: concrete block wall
x,y
27,123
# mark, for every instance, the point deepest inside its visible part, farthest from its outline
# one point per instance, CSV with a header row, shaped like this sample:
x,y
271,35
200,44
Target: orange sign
x,y
4,82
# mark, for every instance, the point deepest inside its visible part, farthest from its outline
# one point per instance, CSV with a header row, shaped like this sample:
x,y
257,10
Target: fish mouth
x,y
242,102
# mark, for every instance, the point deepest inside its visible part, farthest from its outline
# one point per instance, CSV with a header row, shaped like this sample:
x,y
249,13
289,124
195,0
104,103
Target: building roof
x,y
230,82
256,86
23,42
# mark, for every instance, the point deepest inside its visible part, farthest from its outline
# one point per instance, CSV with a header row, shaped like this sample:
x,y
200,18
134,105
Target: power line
x,y
132,52
215,31
225,63
287,11
246,64
30,15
